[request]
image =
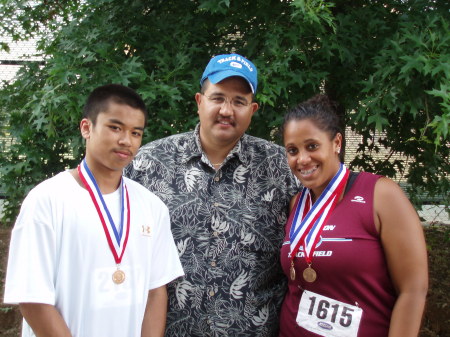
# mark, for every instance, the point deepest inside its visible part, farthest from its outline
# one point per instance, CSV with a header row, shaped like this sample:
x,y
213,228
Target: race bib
x,y
328,317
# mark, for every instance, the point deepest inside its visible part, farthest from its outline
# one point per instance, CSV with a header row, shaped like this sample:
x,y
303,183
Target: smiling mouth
x,y
225,122
308,172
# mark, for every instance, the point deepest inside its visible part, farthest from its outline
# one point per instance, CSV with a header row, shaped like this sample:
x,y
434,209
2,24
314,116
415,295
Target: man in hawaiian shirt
x,y
228,195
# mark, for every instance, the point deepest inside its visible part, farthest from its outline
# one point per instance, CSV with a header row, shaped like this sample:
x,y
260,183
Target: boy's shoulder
x,y
140,191
59,183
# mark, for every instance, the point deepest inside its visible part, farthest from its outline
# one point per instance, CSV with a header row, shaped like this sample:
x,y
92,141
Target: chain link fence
x,y
430,213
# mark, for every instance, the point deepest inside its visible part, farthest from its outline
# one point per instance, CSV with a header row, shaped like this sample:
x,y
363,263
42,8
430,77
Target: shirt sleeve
x,y
166,265
31,263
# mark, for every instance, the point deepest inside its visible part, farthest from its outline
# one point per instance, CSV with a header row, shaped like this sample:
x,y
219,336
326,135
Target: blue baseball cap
x,y
221,67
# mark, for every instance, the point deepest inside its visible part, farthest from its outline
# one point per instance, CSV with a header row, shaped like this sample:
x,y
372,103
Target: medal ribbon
x,y
119,244
307,222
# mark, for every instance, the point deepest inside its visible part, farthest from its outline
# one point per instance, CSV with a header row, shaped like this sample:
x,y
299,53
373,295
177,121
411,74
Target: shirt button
x,y
216,204
211,293
216,179
216,233
213,263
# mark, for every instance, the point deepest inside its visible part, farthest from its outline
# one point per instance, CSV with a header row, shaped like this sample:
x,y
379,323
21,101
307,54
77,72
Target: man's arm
x,y
154,322
45,320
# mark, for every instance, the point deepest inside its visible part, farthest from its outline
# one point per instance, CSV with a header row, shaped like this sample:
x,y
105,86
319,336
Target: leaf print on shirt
x,y
238,284
217,248
268,196
182,246
218,226
141,163
262,317
247,238
181,292
190,178
239,174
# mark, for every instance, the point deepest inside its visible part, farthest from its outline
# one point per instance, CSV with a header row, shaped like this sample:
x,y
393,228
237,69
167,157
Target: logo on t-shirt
x,y
146,230
359,199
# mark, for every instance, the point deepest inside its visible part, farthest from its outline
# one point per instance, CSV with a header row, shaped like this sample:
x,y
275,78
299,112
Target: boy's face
x,y
115,138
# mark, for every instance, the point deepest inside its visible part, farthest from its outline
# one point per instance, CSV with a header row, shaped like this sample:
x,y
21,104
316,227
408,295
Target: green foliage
x,y
407,98
385,62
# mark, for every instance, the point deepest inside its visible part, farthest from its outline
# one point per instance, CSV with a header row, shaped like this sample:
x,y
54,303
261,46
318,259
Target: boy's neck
x,y
106,183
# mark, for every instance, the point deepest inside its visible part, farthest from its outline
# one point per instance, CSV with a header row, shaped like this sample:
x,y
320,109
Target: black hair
x,y
204,86
321,110
100,98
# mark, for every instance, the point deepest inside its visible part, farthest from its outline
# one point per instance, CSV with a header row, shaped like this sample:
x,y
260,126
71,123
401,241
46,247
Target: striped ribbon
x,y
307,221
116,240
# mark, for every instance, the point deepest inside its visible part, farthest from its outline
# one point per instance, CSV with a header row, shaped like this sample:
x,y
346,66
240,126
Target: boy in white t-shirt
x,y
91,251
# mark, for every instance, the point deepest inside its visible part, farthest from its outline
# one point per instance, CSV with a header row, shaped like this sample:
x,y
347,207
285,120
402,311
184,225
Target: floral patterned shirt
x,y
228,226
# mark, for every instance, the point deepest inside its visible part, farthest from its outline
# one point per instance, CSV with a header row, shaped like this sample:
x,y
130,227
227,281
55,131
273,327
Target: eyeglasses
x,y
236,103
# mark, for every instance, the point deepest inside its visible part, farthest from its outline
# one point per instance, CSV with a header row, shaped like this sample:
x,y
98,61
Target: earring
x,y
338,150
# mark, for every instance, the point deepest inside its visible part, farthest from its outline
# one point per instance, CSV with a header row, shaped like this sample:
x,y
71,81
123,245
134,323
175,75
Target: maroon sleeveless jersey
x,y
350,265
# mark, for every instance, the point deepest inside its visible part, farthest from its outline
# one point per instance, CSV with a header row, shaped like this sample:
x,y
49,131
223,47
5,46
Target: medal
x,y
309,274
116,240
307,220
118,276
292,271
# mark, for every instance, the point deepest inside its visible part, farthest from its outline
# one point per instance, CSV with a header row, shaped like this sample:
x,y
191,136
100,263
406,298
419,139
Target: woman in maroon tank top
x,y
354,251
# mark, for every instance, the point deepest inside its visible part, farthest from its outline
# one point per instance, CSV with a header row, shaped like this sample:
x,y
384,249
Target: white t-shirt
x,y
59,255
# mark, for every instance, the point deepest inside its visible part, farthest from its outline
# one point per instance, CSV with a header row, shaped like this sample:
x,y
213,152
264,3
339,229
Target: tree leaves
x,y
387,63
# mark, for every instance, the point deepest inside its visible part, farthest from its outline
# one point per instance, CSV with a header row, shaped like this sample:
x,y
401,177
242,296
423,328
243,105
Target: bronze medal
x,y
118,276
309,274
292,271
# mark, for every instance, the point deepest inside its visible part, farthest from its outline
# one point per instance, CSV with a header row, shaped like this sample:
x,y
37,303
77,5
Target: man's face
x,y
115,138
225,110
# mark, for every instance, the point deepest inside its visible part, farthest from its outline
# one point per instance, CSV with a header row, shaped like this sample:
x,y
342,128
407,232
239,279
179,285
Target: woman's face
x,y
312,156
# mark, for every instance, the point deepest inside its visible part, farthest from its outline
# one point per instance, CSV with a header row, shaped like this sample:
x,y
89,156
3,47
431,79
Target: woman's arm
x,y
404,246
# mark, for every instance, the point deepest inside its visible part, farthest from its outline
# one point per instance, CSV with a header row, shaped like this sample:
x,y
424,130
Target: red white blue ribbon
x,y
116,240
307,222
